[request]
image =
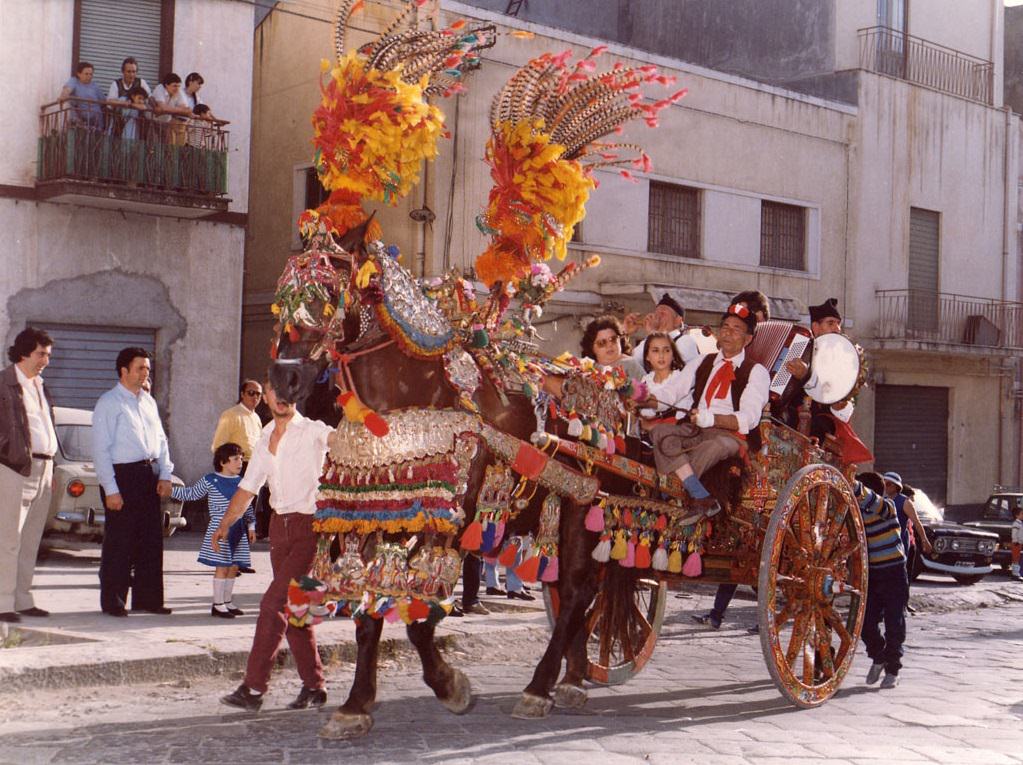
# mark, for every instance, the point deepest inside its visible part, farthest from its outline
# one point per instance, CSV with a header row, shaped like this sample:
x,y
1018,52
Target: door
x,y
911,436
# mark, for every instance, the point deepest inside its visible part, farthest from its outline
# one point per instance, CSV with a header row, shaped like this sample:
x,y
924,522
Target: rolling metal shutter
x,y
911,436
112,30
82,366
924,247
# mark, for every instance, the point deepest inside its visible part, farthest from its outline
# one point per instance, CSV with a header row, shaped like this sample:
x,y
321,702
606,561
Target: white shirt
x,y
668,392
751,403
43,438
162,96
685,344
294,472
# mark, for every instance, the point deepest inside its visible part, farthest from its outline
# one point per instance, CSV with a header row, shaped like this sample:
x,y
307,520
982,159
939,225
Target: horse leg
x,y
569,692
352,719
450,685
575,590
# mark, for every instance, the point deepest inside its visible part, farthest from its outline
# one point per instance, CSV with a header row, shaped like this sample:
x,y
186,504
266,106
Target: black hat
x,y
741,311
673,304
829,308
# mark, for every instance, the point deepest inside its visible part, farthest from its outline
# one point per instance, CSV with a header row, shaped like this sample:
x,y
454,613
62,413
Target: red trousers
x,y
1015,553
292,547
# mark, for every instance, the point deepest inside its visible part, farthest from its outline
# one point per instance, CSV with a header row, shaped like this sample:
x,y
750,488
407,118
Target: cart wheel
x,y
812,585
622,631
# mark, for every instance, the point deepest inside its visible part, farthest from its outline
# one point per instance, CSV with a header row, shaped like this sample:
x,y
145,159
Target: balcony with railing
x,y
106,156
897,54
944,322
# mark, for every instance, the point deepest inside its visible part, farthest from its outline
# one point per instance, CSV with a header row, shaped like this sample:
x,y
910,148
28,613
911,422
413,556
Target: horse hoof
x,y
569,696
461,698
532,707
343,726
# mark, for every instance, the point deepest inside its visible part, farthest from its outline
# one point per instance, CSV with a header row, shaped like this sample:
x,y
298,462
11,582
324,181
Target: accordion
x,y
775,344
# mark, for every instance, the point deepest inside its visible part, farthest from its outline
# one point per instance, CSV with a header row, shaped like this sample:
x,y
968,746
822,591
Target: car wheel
x,y
963,579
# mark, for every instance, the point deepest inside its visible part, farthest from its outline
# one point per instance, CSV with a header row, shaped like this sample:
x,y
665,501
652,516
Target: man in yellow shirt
x,y
241,425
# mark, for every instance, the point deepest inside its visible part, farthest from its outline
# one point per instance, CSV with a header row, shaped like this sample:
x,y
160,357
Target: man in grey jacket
x,y
28,442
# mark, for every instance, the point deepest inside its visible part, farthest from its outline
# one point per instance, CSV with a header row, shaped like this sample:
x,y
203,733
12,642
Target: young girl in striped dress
x,y
219,487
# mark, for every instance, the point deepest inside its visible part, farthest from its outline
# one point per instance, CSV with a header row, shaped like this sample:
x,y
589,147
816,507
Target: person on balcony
x,y
87,113
121,87
172,109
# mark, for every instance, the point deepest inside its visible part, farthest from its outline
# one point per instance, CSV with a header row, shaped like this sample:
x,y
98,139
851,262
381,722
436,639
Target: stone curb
x,y
186,662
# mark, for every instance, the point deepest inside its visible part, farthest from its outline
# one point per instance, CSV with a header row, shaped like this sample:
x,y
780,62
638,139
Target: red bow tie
x,y
720,382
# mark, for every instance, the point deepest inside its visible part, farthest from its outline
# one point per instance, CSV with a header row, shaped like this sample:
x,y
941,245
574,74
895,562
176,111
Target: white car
x,y
76,508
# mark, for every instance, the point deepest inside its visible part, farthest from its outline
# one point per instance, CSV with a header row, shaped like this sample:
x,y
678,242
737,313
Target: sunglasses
x,y
253,392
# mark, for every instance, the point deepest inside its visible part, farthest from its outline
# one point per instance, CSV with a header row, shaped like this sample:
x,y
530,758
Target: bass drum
x,y
838,368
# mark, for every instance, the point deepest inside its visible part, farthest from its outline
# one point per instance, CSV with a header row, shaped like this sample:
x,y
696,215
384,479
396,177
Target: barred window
x,y
674,222
782,236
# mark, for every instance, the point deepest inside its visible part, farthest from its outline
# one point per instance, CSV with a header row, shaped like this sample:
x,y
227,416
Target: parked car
x,y
76,508
959,551
997,517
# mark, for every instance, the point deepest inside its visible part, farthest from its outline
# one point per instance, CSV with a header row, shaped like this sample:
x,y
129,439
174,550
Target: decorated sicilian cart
x,y
450,441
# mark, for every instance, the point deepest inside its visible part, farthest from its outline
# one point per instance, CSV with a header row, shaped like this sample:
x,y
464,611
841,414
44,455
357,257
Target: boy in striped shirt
x,y
888,587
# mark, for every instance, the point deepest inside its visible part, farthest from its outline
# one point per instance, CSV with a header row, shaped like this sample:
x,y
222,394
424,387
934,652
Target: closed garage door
x,y
82,366
911,436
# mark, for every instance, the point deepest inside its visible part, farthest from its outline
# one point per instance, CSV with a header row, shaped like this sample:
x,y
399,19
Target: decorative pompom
x,y
661,523
487,540
498,535
528,569
575,425
508,554
472,536
550,574
694,565
660,559
595,518
629,561
602,552
418,609
643,555
675,561
621,547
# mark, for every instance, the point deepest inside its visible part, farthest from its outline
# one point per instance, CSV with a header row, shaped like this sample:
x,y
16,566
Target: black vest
x,y
737,387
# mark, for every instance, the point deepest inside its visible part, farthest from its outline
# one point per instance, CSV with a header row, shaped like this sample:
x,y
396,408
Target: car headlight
x,y
940,544
955,544
76,488
986,547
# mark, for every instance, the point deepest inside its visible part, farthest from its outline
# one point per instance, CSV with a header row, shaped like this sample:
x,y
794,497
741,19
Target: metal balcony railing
x,y
91,141
940,317
897,54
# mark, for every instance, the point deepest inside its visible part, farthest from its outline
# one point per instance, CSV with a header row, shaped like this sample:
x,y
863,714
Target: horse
x,y
386,378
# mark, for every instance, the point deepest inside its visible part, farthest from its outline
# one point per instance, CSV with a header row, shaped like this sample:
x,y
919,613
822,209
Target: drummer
x,y
824,320
668,317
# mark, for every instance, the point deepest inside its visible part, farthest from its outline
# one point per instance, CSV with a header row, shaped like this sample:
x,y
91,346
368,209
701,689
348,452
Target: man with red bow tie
x,y
726,394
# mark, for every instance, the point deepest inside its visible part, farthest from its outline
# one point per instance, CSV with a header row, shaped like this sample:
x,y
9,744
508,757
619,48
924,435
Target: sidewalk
x,y
78,645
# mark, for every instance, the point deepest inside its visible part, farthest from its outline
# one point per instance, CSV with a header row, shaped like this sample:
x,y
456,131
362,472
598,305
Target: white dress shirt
x,y
685,344
668,392
42,436
751,403
294,472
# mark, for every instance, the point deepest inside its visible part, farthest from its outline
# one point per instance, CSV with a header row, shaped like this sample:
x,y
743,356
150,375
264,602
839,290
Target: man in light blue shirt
x,y
133,467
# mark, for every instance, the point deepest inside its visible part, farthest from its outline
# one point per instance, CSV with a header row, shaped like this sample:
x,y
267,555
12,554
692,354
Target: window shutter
x,y
111,30
924,249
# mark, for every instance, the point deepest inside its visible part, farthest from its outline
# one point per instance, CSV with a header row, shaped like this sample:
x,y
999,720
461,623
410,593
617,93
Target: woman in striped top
x,y
888,585
219,487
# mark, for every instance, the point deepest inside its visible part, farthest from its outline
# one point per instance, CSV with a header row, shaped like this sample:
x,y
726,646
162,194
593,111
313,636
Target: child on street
x,y
888,585
219,487
1017,542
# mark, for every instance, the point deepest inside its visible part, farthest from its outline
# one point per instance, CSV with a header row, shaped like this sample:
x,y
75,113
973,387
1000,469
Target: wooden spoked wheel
x,y
622,631
812,585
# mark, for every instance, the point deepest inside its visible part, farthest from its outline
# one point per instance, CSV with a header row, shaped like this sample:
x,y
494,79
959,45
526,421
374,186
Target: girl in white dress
x,y
663,376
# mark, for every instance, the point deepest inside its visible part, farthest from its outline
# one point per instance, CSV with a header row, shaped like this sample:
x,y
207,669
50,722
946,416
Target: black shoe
x,y
523,595
495,591
456,610
34,612
309,698
116,612
243,698
709,619
220,614
9,616
234,610
161,611
246,570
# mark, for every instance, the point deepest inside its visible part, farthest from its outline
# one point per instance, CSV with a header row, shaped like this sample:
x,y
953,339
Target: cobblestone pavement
x,y
705,697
